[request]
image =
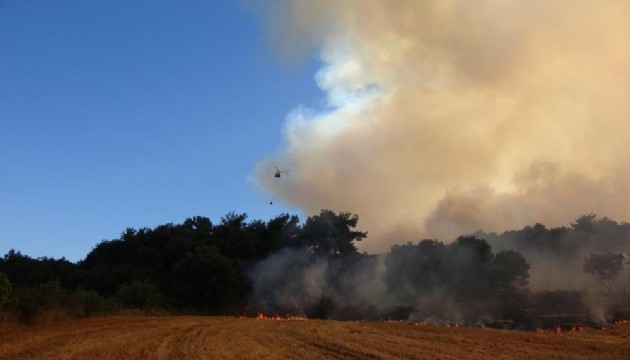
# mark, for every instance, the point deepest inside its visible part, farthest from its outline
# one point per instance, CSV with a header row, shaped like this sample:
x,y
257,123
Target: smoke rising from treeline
x,y
557,254
446,117
524,275
577,273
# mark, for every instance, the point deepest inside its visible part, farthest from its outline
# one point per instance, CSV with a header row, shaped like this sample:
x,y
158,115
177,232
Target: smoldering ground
x,y
447,117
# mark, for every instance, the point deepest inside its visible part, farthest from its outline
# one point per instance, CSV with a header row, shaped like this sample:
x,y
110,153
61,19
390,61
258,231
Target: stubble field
x,y
187,337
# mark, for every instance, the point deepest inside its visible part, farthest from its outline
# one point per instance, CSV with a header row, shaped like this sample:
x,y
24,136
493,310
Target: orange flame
x,y
577,328
276,317
424,322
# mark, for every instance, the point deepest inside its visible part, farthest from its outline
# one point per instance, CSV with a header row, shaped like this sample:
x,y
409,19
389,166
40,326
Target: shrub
x,y
140,294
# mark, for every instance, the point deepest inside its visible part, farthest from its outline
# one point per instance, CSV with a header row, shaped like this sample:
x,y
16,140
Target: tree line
x,y
194,267
236,266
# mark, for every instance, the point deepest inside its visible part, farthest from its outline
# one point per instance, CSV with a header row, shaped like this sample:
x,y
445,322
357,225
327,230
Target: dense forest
x,y
313,268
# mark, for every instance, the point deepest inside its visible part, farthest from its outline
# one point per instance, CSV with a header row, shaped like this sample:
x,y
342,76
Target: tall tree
x,y
510,271
331,234
605,267
205,280
469,261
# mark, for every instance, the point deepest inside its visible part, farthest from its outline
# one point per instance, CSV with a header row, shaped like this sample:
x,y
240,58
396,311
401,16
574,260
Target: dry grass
x,y
183,337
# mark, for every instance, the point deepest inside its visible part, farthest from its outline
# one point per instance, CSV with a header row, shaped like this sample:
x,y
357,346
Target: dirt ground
x,y
188,337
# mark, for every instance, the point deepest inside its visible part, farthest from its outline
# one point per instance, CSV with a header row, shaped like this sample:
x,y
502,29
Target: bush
x,y
29,302
85,302
93,303
140,294
5,289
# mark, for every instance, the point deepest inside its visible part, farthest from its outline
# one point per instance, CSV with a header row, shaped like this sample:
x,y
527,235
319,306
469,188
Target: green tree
x,y
206,281
331,234
140,294
5,289
414,269
510,270
24,270
228,236
31,301
605,267
282,231
468,268
85,302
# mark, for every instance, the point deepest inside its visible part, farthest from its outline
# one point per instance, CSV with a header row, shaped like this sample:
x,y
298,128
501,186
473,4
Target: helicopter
x,y
279,172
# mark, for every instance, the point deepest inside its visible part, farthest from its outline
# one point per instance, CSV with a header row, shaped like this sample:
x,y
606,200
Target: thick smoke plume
x,y
446,117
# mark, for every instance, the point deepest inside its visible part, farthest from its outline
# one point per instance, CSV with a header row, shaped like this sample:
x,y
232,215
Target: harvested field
x,y
187,337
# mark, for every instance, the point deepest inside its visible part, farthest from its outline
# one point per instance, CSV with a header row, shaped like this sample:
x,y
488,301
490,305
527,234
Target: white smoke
x,y
445,117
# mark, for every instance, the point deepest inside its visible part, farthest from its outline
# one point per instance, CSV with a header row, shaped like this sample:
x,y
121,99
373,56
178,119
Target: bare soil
x,y
188,337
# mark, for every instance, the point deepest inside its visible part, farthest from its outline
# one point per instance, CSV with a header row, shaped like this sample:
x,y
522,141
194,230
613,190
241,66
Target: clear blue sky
x,y
134,113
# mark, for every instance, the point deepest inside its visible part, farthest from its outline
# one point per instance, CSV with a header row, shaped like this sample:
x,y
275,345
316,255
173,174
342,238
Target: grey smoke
x,y
447,117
